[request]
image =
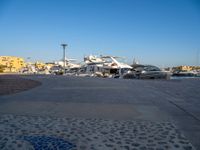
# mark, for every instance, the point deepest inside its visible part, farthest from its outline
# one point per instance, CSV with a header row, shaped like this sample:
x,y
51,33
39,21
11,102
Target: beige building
x,y
183,68
186,68
40,65
11,64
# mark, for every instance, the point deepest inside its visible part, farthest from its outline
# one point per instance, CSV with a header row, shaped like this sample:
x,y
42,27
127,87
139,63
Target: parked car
x,y
185,73
57,70
147,72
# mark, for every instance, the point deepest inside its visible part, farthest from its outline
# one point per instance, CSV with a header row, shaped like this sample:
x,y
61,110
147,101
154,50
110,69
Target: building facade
x,y
11,64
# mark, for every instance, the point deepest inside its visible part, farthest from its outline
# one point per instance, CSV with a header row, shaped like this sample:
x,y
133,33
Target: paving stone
x,y
31,132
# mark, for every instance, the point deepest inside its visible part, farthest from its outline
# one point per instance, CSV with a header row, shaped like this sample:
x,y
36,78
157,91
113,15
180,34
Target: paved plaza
x,y
101,114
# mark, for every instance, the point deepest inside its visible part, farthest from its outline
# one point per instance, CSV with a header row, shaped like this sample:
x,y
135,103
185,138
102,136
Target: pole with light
x,y
64,53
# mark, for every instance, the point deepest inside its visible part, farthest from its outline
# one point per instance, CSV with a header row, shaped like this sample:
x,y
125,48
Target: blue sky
x,y
158,32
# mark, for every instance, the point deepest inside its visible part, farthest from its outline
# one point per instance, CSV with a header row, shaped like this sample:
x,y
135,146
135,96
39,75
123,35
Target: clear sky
x,y
158,32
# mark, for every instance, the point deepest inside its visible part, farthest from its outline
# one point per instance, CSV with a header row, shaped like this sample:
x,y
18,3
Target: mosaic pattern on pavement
x,y
47,143
40,132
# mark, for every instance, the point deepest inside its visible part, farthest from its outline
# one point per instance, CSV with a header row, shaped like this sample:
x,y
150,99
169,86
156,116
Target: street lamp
x,y
64,61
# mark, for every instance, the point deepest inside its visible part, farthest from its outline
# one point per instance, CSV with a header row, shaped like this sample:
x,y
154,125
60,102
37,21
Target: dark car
x,y
57,70
147,72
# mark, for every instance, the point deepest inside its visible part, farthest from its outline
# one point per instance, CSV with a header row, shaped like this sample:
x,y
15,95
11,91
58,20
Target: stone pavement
x,y
92,113
36,132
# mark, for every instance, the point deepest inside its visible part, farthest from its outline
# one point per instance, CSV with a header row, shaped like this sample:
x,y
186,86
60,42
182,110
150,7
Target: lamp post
x,y
197,57
64,57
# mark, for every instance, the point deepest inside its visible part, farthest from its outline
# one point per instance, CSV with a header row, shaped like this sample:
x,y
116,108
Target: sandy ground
x,y
10,84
